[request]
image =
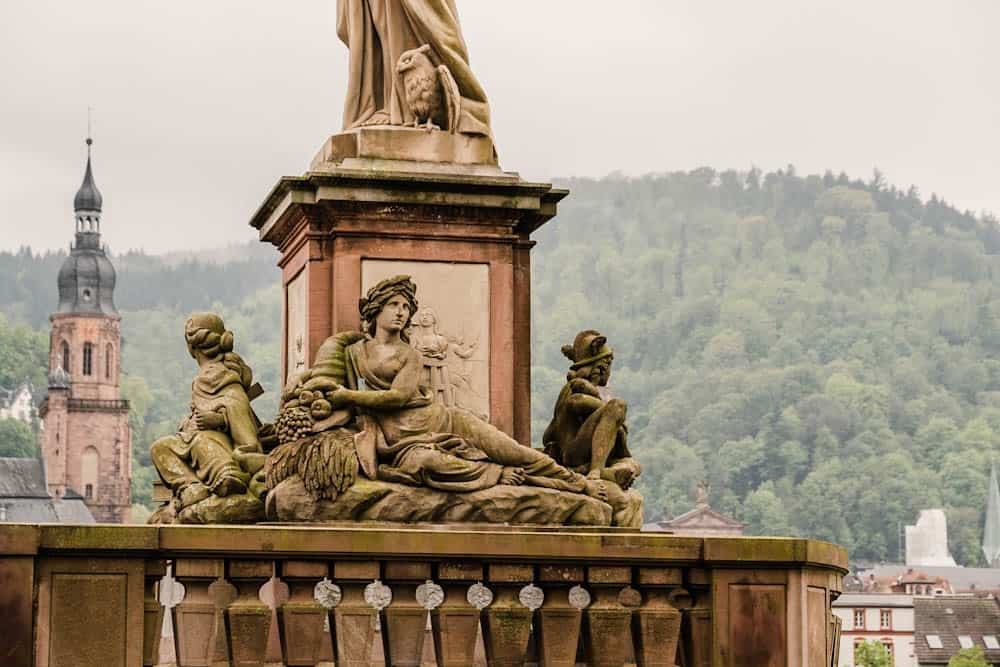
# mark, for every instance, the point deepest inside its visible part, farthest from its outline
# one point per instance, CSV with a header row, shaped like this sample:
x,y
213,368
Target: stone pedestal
x,y
380,202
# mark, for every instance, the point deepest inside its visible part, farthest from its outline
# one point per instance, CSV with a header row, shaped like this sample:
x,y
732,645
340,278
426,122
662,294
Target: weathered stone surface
x,y
360,147
385,501
245,508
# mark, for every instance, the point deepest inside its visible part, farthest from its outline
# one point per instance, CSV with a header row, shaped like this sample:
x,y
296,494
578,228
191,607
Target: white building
x,y
927,542
882,617
17,404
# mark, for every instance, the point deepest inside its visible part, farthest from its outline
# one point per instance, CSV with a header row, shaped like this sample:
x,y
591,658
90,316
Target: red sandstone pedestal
x,y
437,207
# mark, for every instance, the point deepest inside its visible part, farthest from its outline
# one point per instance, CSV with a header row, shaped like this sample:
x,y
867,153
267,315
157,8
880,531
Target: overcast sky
x,y
201,105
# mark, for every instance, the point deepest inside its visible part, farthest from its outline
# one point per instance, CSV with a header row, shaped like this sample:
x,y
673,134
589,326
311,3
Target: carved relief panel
x,y
451,329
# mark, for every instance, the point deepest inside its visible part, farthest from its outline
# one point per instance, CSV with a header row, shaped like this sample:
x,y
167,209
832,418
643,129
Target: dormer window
x,y
86,295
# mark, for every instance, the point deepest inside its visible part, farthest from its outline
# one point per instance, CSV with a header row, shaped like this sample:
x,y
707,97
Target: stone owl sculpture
x,y
431,93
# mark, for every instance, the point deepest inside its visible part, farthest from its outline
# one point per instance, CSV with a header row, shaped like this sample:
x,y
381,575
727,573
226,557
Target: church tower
x,y
87,443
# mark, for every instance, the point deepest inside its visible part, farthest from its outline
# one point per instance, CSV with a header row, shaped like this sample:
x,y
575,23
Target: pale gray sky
x,y
201,105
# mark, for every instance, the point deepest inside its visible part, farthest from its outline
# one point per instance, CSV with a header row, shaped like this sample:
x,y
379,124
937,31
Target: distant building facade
x,y
927,541
18,403
702,521
87,443
884,618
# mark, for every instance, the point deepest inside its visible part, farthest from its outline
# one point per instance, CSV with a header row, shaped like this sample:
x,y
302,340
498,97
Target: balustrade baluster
x,y
558,628
456,622
507,622
248,619
152,615
609,633
404,621
656,625
354,618
696,624
194,616
300,618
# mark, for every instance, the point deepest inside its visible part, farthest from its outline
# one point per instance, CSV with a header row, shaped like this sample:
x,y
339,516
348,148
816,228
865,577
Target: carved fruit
x,y
321,409
306,397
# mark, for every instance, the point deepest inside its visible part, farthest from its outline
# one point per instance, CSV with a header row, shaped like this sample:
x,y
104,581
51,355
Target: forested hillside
x,y
823,351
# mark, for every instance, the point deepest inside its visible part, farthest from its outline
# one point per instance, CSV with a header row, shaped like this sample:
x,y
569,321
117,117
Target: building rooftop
x,y
944,622
873,600
24,496
961,579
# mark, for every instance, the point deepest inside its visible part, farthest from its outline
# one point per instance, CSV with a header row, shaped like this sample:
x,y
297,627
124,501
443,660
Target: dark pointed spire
x,y
88,198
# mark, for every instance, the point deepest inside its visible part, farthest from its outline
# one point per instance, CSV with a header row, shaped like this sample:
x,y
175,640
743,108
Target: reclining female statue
x,y
407,437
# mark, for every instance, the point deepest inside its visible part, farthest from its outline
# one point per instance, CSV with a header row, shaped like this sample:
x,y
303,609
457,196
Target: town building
x,y
702,521
87,443
886,618
946,624
927,541
24,496
18,403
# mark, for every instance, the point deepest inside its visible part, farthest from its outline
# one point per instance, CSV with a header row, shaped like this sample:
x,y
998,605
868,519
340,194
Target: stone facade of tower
x,y
87,443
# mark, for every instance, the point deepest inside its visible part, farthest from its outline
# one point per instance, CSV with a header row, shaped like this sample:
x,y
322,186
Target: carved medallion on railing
x,y
378,595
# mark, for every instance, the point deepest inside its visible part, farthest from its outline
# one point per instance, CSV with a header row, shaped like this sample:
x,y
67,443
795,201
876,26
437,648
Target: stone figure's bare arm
x,y
404,387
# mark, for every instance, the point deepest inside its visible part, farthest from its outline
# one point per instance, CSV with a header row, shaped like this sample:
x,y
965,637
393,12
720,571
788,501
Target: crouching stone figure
x,y
211,464
588,433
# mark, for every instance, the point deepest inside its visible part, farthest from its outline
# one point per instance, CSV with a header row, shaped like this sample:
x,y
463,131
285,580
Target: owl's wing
x,y
452,97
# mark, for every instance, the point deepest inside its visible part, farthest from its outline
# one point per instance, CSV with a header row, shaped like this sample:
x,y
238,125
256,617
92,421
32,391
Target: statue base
x,y
380,146
380,202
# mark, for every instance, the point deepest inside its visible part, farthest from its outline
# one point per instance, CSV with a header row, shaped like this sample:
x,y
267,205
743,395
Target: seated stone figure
x,y
370,385
588,433
211,462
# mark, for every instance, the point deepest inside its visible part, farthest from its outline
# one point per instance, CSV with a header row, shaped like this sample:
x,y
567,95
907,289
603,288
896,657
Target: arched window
x,y
65,357
90,464
88,359
108,354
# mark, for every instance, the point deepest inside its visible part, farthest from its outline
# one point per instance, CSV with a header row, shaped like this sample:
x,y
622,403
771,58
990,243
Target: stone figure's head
x,y
415,59
426,317
207,337
206,333
591,357
390,304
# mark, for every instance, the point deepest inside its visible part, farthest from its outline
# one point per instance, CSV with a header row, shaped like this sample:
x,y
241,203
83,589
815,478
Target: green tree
x,y
871,654
17,439
764,513
969,657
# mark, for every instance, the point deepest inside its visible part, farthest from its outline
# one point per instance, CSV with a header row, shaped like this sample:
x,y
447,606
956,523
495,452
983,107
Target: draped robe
x,y
378,32
428,444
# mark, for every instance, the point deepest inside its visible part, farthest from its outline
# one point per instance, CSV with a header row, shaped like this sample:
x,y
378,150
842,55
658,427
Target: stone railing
x,y
367,595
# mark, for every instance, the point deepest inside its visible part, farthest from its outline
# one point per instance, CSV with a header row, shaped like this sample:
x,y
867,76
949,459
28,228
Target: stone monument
x,y
409,190
406,214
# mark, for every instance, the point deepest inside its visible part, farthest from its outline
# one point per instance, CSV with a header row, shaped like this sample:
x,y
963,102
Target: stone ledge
x,y
361,540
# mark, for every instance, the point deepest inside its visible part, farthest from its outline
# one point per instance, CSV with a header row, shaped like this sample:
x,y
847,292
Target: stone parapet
x,y
562,596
